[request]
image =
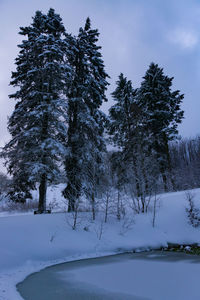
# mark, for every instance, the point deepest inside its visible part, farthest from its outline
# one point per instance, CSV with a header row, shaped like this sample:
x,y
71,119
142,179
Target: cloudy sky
x,y
133,33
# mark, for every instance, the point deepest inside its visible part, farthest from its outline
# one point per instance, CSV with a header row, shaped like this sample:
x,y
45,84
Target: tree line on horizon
x,y
57,125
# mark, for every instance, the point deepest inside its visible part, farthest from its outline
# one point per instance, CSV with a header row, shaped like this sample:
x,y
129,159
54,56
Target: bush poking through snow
x,y
73,218
99,229
193,212
53,204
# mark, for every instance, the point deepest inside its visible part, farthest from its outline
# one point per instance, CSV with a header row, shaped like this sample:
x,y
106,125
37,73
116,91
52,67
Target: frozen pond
x,y
152,275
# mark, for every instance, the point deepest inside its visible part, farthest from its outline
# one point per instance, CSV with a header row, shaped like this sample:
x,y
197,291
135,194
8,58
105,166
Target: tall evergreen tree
x,y
85,132
36,125
127,132
162,114
120,113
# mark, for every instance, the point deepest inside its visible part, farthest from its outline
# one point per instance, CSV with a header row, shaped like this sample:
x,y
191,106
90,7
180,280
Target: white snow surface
x,y
30,242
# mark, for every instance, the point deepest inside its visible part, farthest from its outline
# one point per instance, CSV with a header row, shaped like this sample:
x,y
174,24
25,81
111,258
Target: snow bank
x,y
30,242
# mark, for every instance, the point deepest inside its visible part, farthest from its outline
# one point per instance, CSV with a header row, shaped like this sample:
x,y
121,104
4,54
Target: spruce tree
x,y
162,114
86,122
37,125
127,133
120,114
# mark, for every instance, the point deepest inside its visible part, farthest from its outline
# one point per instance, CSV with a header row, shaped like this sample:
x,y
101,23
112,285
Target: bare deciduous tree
x,y
193,212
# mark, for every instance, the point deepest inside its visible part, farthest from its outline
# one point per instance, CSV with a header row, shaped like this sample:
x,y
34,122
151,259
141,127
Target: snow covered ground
x,y
30,242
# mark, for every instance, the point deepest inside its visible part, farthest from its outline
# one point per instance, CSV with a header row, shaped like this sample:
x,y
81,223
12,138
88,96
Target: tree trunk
x,y
71,205
136,179
154,211
42,194
118,206
106,208
143,203
168,166
75,218
93,207
164,177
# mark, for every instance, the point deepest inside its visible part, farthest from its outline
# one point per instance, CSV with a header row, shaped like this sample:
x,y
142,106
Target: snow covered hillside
x,y
30,242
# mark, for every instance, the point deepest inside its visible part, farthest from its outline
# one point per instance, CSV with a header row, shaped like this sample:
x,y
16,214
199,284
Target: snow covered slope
x,y
30,242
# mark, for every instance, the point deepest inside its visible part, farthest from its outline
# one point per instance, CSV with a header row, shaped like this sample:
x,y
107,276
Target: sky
x,y
133,33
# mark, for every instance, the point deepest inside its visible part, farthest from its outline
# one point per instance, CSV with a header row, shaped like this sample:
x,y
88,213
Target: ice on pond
x,y
155,275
